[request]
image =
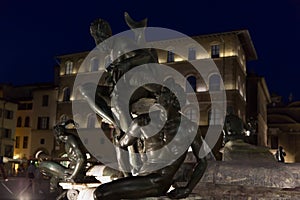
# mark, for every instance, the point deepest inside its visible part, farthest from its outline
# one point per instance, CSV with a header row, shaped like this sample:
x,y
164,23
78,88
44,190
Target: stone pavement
x,y
20,188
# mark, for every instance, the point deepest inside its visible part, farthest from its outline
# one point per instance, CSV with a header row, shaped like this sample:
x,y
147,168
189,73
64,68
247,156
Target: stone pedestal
x,y
238,150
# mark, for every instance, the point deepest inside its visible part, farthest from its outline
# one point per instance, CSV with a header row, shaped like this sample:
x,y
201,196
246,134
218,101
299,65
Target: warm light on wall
x,y
228,53
162,60
178,59
229,86
202,56
201,89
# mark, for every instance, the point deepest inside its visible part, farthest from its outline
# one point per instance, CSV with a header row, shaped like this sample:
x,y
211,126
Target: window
x,y
215,117
17,144
7,133
191,84
192,53
170,56
43,123
27,122
19,122
69,67
42,141
94,64
214,82
274,142
45,100
107,61
191,114
25,142
66,94
8,114
25,106
91,121
215,51
8,150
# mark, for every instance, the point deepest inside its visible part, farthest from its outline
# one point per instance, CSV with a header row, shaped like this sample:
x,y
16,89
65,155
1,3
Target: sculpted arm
x,y
197,174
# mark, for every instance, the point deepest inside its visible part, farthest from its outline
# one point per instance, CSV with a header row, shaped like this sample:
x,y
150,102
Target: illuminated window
x,y
214,82
191,84
69,67
192,53
214,117
215,51
19,122
170,56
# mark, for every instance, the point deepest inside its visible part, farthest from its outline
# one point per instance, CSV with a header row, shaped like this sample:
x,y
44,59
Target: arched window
x,y
66,96
94,64
191,83
91,121
19,122
214,82
214,117
27,122
69,67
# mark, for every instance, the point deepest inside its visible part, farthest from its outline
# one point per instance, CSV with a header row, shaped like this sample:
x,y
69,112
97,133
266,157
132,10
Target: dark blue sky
x,y
34,32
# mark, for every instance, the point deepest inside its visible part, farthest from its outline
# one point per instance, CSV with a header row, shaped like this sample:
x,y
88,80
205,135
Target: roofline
x,y
243,36
72,54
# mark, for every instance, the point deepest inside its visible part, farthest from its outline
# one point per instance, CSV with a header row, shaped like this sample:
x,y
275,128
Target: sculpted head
x,y
100,30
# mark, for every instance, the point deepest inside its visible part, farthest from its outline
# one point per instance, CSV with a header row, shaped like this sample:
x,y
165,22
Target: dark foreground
x,y
20,188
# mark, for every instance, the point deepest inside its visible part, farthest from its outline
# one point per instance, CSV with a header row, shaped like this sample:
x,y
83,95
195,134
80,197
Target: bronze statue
x,y
145,183
76,157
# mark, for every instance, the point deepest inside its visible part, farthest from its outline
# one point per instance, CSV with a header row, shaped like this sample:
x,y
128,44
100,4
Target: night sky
x,y
34,32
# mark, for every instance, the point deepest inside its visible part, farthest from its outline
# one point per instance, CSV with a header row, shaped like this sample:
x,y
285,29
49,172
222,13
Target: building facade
x,y
258,98
284,128
230,51
35,117
8,121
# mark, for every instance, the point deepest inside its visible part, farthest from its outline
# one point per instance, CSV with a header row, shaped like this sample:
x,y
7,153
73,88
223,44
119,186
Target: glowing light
x,y
248,133
178,59
201,89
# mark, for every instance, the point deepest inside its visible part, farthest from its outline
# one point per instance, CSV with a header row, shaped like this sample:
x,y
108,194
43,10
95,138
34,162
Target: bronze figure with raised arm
x,y
149,180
